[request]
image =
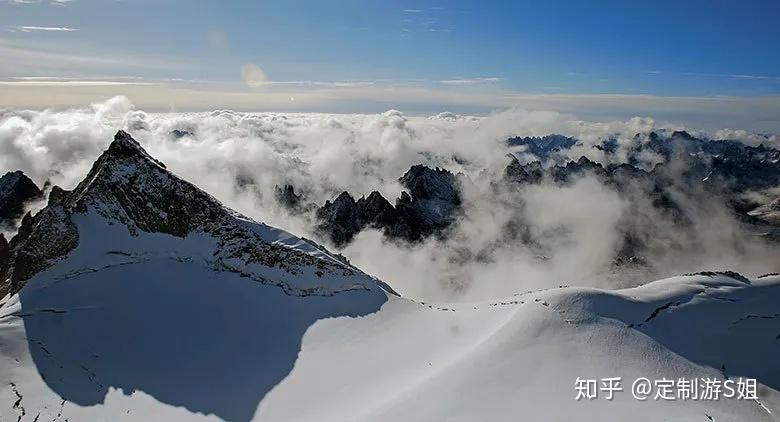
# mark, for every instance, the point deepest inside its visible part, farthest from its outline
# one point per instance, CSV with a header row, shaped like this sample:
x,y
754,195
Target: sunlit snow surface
x,y
146,328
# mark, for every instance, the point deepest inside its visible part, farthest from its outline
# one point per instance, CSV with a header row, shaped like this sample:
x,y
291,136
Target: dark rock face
x,y
178,133
716,165
16,189
609,146
545,146
41,240
523,174
127,186
5,253
692,167
534,172
573,169
429,209
375,211
343,218
286,197
688,165
733,163
431,205
431,184
338,219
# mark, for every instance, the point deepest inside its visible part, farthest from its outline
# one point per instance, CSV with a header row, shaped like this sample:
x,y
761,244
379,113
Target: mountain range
x,y
138,296
674,175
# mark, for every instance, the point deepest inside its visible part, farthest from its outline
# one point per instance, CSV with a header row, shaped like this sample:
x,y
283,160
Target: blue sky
x,y
458,53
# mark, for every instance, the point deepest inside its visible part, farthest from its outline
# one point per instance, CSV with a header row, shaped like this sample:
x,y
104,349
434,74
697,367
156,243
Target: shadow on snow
x,y
211,342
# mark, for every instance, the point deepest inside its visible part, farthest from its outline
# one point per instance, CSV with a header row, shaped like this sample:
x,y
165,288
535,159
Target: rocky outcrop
x,y
573,169
542,147
16,190
5,253
534,172
338,219
516,172
41,240
179,133
343,218
429,207
293,202
719,166
127,186
690,169
425,183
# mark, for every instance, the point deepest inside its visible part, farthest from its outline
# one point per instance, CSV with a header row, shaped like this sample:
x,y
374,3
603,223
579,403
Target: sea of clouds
x,y
574,230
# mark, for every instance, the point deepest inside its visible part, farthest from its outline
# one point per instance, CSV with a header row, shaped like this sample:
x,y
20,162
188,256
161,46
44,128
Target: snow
x,y
276,236
149,316
155,327
519,362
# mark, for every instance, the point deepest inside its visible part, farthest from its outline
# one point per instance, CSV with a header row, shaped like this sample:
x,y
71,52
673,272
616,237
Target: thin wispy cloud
x,y
326,84
469,81
55,81
761,77
51,2
69,83
742,76
41,29
424,20
26,56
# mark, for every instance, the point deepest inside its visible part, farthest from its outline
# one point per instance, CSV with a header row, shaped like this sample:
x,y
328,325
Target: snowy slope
x,y
151,314
125,343
518,359
223,318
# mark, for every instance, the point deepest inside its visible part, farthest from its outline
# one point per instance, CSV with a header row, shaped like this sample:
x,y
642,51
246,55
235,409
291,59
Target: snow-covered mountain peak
x,y
134,197
125,146
129,186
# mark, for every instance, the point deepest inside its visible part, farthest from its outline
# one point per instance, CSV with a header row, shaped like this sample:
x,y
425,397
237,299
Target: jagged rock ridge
x,y
698,168
127,186
544,146
428,208
16,190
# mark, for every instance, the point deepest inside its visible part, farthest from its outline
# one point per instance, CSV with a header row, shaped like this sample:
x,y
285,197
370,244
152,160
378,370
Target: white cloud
x,y
748,138
322,154
470,81
326,84
71,57
42,29
752,77
51,2
757,114
64,82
